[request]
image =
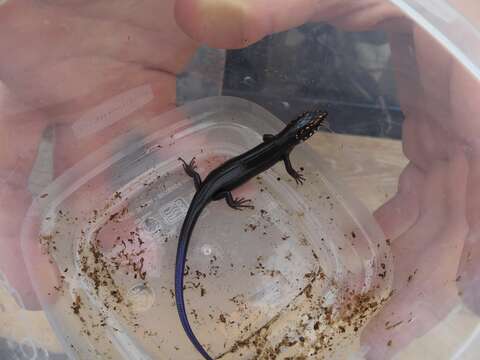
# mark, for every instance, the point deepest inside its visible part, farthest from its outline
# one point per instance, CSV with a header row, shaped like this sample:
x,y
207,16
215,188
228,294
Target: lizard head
x,y
305,125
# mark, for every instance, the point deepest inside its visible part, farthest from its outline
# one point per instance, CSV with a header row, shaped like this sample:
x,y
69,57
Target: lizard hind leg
x,y
238,203
190,170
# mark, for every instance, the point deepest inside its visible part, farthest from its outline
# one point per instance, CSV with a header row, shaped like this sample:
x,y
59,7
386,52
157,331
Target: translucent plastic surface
x,y
83,86
449,23
301,274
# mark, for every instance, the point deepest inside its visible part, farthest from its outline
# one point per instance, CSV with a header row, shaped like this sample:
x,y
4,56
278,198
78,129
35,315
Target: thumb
x,y
239,23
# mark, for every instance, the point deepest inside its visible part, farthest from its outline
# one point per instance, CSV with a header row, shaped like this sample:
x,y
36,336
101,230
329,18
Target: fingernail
x,y
222,12
224,21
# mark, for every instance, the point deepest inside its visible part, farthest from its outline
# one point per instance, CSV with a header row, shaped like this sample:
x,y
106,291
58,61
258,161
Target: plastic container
x,y
301,274
132,315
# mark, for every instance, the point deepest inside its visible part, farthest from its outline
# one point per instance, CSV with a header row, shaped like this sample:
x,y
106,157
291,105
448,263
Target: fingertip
x,y
227,24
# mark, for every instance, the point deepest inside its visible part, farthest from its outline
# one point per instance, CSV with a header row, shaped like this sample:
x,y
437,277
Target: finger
x,y
12,262
428,132
45,277
239,23
20,135
401,212
363,15
465,115
104,36
92,65
468,277
425,262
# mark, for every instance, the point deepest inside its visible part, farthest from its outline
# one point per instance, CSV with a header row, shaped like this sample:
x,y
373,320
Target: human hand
x,y
436,190
59,61
434,215
433,219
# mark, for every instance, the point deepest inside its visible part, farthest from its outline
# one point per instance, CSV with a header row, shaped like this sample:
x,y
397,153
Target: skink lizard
x,y
230,175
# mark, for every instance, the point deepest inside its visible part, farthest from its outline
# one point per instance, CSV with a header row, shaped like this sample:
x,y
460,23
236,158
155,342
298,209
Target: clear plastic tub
x,y
301,274
69,84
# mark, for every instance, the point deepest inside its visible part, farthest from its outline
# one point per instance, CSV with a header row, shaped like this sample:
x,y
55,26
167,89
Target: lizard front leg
x,y
299,178
190,171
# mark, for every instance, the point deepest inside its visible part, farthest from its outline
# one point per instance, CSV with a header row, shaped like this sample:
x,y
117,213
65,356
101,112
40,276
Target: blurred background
x,y
313,65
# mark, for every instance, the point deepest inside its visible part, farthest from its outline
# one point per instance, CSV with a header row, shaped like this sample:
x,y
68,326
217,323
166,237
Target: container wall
x,y
399,78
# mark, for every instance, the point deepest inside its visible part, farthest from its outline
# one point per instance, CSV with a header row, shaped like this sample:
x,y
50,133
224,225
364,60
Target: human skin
x,y
71,56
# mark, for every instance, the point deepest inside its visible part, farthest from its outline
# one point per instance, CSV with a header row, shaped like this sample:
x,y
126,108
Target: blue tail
x,y
183,241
